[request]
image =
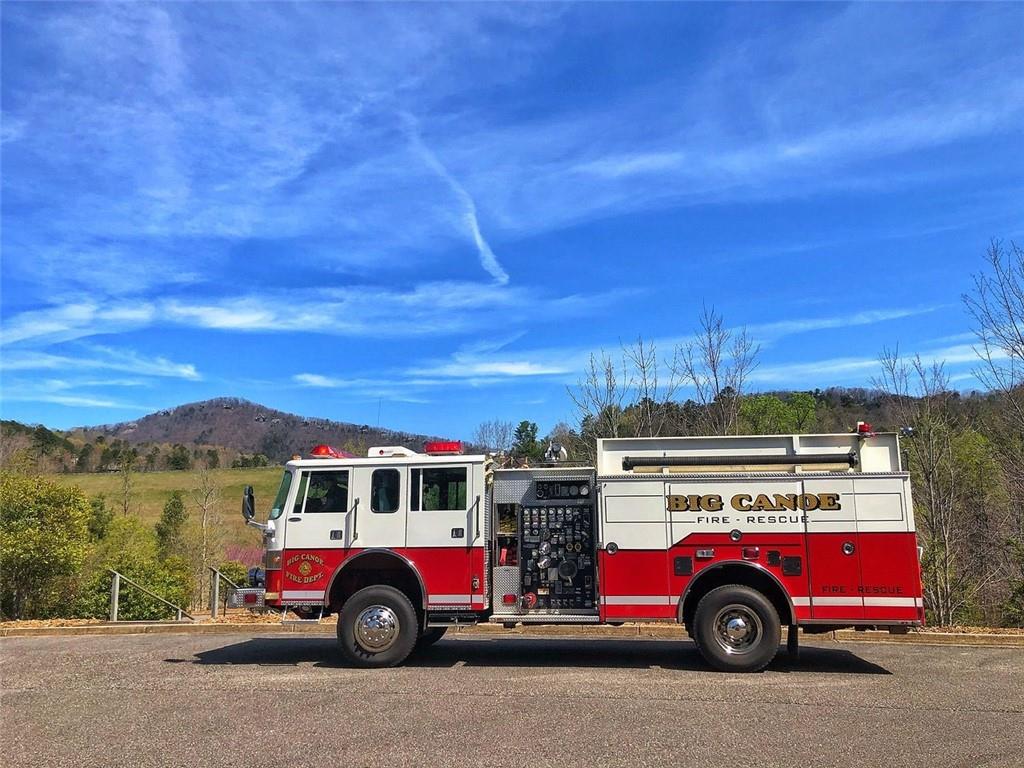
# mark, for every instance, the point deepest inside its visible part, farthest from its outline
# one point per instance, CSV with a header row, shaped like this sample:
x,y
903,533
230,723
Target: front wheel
x,y
377,627
737,629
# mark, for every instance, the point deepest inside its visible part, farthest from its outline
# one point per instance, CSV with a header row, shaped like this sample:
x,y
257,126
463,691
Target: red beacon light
x,y
864,429
442,447
326,452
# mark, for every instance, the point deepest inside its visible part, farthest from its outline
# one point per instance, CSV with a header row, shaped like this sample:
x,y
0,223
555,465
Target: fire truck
x,y
731,537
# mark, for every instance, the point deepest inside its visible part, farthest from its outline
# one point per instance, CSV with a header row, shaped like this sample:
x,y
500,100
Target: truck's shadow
x,y
530,652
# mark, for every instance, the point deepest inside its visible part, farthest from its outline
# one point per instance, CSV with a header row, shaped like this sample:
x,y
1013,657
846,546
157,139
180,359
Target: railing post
x,y
115,591
214,593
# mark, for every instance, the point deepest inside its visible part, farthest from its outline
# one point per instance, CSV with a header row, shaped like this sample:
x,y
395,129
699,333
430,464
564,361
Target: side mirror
x,y
248,503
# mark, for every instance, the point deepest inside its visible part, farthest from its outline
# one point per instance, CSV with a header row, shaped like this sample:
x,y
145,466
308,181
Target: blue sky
x,y
440,211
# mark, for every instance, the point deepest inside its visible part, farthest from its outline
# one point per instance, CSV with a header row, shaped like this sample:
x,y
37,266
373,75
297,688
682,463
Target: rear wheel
x,y
377,627
737,629
430,636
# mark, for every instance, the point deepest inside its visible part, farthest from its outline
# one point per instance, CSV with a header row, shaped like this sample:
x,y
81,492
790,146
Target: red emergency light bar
x,y
326,452
441,447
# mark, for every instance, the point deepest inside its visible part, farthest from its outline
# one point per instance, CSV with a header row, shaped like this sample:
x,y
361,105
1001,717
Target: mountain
x,y
248,427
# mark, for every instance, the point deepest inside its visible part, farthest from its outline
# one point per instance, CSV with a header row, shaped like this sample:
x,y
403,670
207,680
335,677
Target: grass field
x,y
152,489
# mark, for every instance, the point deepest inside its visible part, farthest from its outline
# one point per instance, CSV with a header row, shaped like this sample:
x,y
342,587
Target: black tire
x,y
748,612
430,636
388,638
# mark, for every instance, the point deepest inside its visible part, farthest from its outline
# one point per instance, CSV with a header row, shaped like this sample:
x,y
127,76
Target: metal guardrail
x,y
115,595
215,590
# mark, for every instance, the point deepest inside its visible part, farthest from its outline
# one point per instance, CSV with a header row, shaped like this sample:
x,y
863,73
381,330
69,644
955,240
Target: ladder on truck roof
x,y
844,452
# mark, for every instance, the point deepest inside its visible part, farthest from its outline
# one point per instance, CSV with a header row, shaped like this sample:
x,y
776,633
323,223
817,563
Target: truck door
x,y
379,507
347,508
318,516
443,533
833,554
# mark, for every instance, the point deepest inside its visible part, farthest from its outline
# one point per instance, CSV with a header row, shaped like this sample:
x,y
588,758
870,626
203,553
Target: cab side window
x,y
385,487
327,492
438,489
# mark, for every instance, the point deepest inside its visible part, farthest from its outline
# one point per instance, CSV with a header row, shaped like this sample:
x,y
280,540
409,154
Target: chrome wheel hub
x,y
737,629
376,628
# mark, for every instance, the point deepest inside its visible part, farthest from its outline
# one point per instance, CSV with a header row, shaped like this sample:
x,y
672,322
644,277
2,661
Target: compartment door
x,y
888,550
833,553
633,574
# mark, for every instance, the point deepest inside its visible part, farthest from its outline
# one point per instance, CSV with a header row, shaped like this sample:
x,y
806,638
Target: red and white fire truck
x,y
730,536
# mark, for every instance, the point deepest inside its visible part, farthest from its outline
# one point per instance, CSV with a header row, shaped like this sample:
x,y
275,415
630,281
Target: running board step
x,y
452,621
545,619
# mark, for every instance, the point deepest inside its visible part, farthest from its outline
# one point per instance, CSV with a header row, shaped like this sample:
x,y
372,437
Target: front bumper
x,y
247,597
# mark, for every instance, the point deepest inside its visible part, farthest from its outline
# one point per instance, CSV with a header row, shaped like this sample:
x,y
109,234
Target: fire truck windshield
x,y
282,496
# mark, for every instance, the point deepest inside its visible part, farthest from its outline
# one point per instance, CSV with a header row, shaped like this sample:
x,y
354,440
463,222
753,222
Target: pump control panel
x,y
557,547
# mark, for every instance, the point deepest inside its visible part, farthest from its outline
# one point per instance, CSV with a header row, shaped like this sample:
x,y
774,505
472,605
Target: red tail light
x,y
509,599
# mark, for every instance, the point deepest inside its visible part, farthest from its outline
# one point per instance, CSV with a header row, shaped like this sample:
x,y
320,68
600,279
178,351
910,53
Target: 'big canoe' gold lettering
x,y
745,502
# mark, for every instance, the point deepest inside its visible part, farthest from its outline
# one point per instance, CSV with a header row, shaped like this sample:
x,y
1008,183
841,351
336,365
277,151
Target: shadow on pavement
x,y
530,652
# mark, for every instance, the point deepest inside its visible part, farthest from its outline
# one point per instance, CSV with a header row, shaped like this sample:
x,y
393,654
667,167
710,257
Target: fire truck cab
x,y
732,537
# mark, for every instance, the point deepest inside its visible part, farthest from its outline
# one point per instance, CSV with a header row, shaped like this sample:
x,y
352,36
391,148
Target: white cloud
x,y
105,358
316,380
767,332
72,401
468,214
463,368
73,321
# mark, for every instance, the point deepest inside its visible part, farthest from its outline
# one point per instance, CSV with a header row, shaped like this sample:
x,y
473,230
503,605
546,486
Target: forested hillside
x,y
222,432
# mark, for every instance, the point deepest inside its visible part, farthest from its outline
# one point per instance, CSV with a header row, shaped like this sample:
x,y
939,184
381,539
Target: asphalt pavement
x,y
242,700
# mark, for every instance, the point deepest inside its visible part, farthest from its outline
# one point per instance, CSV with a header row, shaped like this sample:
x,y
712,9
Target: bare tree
x,y
655,383
599,396
955,500
127,473
205,496
717,363
495,435
997,307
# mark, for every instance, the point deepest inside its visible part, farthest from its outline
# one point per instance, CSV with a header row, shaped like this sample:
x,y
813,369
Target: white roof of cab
x,y
387,461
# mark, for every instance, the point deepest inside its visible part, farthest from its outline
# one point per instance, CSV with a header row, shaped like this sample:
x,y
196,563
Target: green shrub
x,y
131,549
44,536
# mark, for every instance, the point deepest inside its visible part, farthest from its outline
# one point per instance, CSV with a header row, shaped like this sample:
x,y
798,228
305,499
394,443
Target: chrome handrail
x,y
115,594
215,590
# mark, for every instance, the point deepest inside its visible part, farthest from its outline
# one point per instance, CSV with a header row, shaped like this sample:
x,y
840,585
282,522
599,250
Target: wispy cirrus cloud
x,y
68,393
425,309
957,359
768,332
98,358
468,207
74,320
